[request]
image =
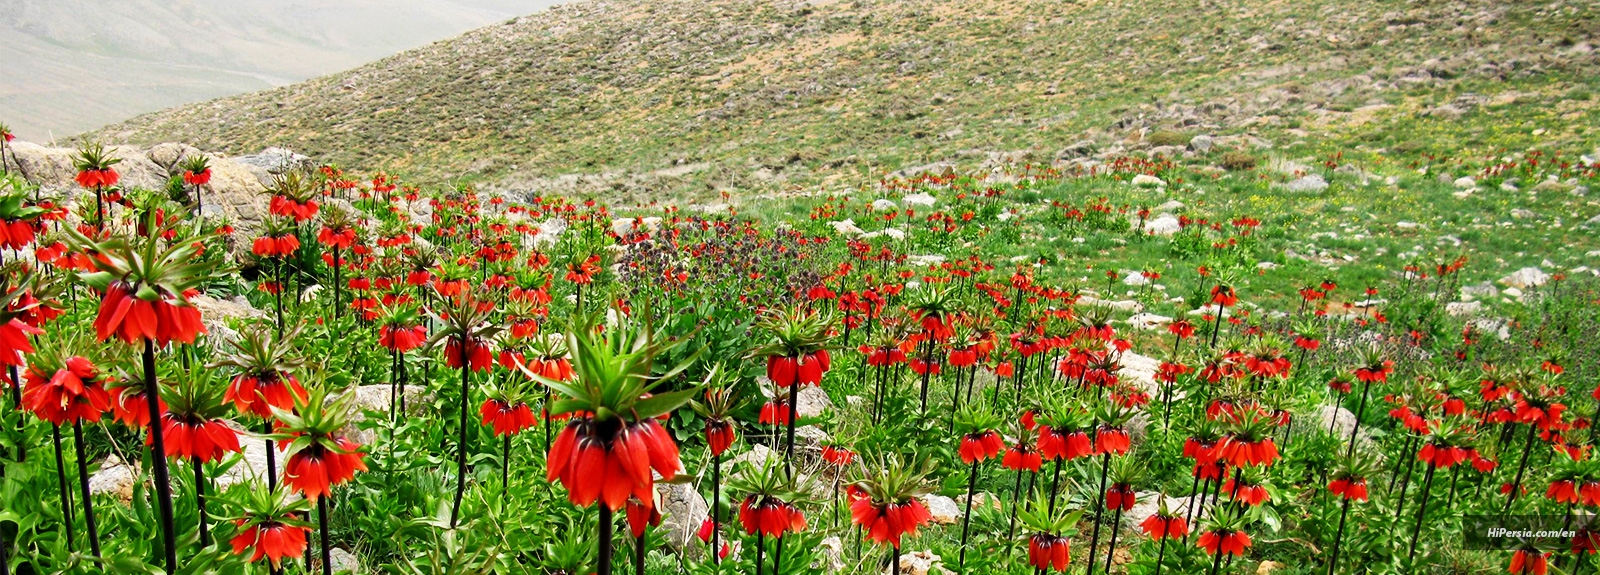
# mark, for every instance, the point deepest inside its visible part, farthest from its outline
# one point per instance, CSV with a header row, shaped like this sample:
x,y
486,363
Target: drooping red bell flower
x,y
339,239
802,370
1224,296
775,412
402,339
1159,526
1120,496
274,541
1112,440
1562,491
720,435
1352,489
770,516
1021,457
200,178
1225,541
609,460
642,517
195,438
1049,552
886,524
258,395
479,356
289,207
977,447
507,419
282,246
315,470
1442,456
1243,492
70,393
130,406
1063,444
1241,453
1529,562
132,318
14,341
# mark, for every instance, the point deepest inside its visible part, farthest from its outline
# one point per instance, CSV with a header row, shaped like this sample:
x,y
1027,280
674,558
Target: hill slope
x,y
690,97
72,65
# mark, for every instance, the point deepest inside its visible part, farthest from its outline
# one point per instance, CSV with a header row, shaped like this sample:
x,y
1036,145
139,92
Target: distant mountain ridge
x,y
647,99
73,65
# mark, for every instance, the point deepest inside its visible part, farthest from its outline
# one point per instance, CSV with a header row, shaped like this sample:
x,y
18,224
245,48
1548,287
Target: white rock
x,y
1148,181
883,205
1165,225
925,260
919,199
919,563
1169,206
1463,308
1135,279
813,402
1526,278
944,509
1512,292
1148,321
1522,214
115,478
622,226
1267,265
1465,183
847,228
1305,184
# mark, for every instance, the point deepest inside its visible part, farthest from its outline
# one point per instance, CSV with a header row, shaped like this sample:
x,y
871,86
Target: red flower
x,y
1443,456
403,339
977,447
315,470
14,341
1562,491
1529,562
609,460
507,419
720,435
1181,328
200,178
770,516
1046,551
1225,541
775,412
72,393
804,370
193,438
132,318
288,207
1111,440
478,355
1159,526
132,408
838,456
337,238
1250,495
275,246
1245,453
273,540
1352,489
1120,496
103,178
258,395
1055,444
888,523
641,517
1020,457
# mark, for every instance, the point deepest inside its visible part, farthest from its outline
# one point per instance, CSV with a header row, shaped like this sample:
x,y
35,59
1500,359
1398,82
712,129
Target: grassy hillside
x,y
685,98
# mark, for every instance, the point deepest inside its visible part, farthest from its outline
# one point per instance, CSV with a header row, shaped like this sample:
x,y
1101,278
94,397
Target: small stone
x,y
920,199
1465,183
1305,184
1526,278
1163,226
1463,308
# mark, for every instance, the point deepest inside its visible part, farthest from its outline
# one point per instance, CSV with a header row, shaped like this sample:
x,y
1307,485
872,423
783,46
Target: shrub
x,y
1238,161
1166,138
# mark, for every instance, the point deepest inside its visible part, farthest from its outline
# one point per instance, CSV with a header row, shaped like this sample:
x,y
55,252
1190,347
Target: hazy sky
x,y
72,65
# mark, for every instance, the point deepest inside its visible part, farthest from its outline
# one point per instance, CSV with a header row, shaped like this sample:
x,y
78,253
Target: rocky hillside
x,y
679,98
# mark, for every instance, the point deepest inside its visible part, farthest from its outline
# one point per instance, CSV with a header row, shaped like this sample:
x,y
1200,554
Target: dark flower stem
x,y
1016,500
200,499
640,547
1422,509
1099,509
1338,535
1161,553
1111,546
158,457
761,546
966,519
272,458
505,469
61,481
1516,485
716,509
603,565
461,445
322,528
338,310
794,415
1055,484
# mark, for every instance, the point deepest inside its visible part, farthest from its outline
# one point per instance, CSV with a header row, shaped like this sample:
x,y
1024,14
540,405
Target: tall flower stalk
x,y
465,336
718,408
146,285
612,441
980,442
796,355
